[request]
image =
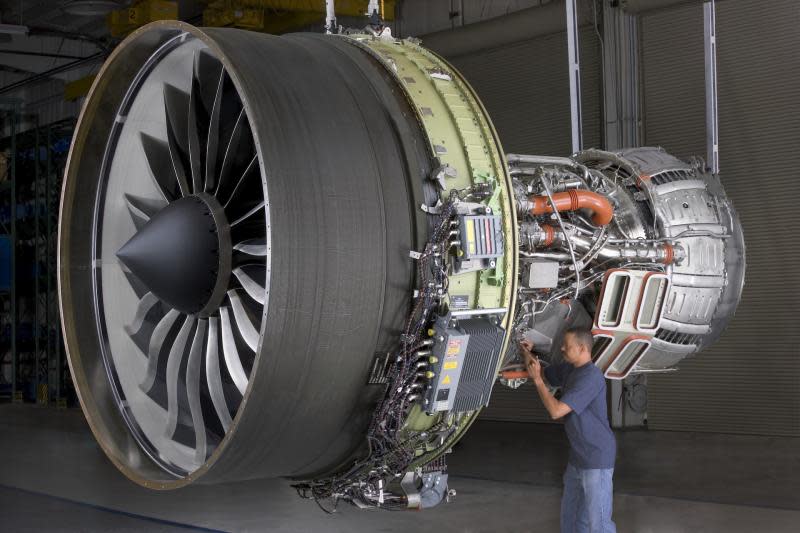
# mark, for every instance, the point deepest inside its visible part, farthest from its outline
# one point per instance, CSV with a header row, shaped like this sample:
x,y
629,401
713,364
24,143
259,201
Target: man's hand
x,y
526,346
532,364
555,408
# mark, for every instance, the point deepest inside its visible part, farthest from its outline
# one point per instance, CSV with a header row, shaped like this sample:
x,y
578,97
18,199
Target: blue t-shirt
x,y
592,443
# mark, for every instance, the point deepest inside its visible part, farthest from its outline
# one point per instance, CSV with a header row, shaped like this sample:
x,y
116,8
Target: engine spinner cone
x,y
183,254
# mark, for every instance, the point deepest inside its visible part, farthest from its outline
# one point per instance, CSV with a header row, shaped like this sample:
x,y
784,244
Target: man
x,y
586,504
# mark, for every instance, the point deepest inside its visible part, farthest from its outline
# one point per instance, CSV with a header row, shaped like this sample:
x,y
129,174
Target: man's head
x,y
577,347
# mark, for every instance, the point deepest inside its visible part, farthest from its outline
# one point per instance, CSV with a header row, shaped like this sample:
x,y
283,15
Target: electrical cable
x,y
561,224
387,456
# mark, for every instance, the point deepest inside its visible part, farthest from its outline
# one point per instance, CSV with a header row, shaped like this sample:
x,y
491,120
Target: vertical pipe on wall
x,y
712,120
574,65
620,78
621,114
330,17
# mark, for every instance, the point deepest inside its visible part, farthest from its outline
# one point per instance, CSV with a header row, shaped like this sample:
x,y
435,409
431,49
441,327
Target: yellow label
x,y
452,365
471,236
453,347
446,380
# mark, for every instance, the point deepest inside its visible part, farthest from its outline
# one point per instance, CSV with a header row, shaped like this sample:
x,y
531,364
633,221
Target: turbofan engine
x,y
307,256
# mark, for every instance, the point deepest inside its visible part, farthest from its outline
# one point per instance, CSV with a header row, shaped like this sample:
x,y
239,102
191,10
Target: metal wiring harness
x,y
391,450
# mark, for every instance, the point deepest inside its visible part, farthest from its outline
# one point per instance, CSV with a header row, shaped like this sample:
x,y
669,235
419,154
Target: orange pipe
x,y
549,235
669,254
514,374
576,199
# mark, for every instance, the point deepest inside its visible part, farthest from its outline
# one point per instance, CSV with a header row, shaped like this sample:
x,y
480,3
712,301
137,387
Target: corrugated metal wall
x,y
749,382
525,88
419,17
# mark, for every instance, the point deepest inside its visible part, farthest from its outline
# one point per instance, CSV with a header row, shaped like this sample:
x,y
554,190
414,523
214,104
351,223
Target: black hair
x,y
582,336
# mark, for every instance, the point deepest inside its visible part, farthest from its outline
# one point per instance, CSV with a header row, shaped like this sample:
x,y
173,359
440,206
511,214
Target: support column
x,y
621,114
712,119
621,102
574,65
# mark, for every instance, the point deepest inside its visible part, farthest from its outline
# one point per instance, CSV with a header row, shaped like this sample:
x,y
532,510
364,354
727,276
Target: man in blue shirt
x,y
586,504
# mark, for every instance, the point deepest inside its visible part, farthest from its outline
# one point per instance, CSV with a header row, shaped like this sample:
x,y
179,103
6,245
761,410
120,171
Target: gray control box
x,y
450,348
543,274
467,354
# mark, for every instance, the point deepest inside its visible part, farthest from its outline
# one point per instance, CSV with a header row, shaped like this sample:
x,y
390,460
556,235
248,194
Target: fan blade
x,y
254,289
193,134
253,164
231,353
237,154
246,328
173,369
176,109
255,247
213,375
144,307
193,369
207,71
159,161
138,287
213,137
154,350
142,209
248,214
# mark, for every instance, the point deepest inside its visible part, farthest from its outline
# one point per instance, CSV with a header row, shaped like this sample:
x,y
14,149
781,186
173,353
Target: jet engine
x,y
308,256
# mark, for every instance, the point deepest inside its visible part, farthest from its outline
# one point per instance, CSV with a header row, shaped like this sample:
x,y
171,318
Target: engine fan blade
x,y
145,305
255,247
213,375
239,152
251,166
160,163
207,72
245,275
174,361
193,368
142,209
176,107
193,132
246,328
213,136
250,213
231,353
154,350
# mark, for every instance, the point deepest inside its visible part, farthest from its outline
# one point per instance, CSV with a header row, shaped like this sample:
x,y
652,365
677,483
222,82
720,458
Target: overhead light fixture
x,y
89,8
13,29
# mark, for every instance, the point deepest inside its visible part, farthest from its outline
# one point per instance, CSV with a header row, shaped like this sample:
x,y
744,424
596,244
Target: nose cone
x,y
177,254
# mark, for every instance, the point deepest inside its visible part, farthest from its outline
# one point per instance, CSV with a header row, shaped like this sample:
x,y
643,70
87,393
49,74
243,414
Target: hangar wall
x,y
748,381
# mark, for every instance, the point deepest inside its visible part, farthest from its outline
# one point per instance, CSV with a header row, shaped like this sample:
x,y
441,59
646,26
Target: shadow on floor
x,y
54,477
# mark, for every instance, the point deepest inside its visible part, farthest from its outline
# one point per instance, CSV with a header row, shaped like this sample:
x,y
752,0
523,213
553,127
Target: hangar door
x,y
748,381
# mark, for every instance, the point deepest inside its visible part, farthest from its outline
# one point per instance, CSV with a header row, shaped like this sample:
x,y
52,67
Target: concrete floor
x,y
53,477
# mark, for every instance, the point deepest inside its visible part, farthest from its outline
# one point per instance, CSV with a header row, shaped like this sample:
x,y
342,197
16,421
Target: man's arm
x,y
555,408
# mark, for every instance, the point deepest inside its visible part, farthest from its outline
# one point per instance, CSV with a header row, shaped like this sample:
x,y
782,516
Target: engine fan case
x,y
344,160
